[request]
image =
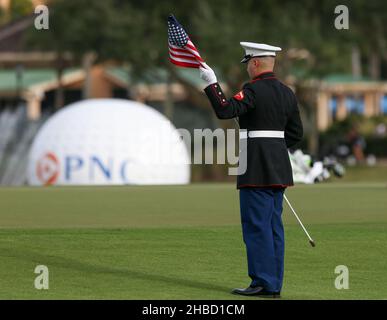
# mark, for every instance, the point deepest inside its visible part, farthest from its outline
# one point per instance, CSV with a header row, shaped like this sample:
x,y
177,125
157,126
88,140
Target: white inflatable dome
x,y
108,142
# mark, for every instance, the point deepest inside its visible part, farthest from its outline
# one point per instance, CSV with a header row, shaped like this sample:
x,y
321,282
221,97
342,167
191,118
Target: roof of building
x,y
156,76
30,77
35,77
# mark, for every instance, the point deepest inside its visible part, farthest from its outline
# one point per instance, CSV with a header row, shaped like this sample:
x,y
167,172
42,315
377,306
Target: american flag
x,y
182,52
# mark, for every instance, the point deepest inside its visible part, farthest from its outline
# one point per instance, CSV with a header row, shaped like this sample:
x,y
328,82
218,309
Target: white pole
x,y
295,214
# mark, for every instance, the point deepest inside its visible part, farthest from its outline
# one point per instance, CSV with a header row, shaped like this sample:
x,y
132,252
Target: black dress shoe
x,y
256,291
269,294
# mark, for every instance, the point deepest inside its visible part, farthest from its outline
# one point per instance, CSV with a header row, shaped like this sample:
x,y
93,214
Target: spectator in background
x,y
357,144
381,130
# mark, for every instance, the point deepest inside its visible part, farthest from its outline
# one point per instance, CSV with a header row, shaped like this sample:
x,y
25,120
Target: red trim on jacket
x,y
258,77
262,79
266,186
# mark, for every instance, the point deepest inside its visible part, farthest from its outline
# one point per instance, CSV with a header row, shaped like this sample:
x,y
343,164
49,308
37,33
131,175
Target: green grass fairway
x,y
185,242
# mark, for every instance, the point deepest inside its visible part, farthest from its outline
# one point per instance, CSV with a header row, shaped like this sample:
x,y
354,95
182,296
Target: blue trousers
x,y
263,234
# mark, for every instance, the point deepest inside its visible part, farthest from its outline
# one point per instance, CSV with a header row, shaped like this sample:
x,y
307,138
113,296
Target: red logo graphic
x,y
47,169
240,95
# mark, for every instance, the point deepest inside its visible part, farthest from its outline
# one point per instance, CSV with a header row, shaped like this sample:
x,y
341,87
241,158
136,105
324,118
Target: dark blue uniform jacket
x,y
263,104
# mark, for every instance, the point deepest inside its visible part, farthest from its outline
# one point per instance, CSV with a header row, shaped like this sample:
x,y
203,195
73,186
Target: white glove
x,y
207,74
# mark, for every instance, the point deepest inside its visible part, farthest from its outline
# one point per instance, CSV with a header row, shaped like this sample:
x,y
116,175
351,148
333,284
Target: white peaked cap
x,y
258,50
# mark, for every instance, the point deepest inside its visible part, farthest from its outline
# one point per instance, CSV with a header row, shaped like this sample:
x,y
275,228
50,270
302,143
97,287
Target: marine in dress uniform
x,y
270,121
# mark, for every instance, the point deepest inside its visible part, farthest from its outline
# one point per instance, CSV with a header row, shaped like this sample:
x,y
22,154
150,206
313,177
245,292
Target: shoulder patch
x,y
239,96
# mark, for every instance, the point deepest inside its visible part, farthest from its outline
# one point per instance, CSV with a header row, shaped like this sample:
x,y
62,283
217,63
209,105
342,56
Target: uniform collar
x,y
264,75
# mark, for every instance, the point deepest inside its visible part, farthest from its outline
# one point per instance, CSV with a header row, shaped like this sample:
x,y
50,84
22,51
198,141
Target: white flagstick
x,y
295,214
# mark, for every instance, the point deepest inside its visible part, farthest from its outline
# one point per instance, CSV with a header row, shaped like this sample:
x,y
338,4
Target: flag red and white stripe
x,y
185,57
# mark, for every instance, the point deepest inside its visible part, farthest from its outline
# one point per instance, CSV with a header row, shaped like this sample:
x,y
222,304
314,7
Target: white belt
x,y
261,134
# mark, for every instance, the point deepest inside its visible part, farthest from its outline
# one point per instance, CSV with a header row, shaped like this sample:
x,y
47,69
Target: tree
x,y
17,9
83,28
